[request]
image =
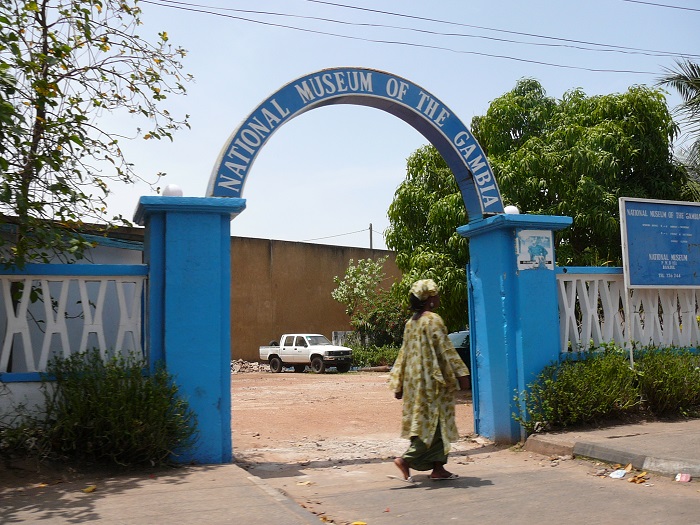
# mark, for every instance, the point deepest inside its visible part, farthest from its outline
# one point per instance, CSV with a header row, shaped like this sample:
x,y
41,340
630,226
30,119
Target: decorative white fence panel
x,y
594,309
49,310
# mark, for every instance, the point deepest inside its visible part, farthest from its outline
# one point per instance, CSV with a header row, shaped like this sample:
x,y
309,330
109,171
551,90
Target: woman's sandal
x,y
408,480
451,476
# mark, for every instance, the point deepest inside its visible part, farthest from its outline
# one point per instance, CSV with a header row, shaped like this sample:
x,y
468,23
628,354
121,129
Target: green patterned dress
x,y
426,371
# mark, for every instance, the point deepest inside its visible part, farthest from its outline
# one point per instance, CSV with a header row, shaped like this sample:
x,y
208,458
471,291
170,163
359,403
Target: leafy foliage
x,y
598,387
108,411
603,387
426,210
64,66
367,356
359,288
375,313
577,156
669,381
685,79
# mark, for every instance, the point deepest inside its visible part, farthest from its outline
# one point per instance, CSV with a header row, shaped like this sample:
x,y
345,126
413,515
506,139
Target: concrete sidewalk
x,y
666,448
210,495
537,484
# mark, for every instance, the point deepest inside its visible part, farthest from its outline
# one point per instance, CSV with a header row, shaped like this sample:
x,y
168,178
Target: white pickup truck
x,y
299,350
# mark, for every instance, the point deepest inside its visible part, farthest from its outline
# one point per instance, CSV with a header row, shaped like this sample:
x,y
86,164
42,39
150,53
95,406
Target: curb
x,y
540,444
549,446
664,466
282,499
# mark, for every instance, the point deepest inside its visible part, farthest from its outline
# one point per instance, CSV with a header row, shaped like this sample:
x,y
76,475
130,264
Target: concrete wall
x,y
281,287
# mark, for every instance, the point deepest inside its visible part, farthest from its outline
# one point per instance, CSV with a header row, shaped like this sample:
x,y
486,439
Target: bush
x,y
602,386
109,411
599,386
20,436
366,356
669,382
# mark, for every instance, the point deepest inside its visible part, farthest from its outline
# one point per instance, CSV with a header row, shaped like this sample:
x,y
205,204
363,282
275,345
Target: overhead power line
x,y
334,236
199,8
663,5
558,42
342,235
533,35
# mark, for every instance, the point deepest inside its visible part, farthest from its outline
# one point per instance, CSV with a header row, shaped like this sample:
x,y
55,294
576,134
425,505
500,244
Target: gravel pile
x,y
243,367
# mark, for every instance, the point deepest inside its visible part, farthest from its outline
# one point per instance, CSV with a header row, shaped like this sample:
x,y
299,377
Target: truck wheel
x,y
276,364
343,367
317,365
299,369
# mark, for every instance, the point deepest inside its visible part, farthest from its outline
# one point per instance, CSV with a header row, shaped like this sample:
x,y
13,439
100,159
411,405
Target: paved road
x,y
496,486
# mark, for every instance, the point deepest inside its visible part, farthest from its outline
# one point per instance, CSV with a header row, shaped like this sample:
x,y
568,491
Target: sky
x,y
327,175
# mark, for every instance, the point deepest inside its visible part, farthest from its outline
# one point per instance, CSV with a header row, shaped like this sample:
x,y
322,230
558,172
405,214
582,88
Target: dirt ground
x,y
302,418
285,420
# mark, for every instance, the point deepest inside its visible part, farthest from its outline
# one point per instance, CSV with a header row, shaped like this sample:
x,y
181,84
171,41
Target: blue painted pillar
x,y
188,250
514,316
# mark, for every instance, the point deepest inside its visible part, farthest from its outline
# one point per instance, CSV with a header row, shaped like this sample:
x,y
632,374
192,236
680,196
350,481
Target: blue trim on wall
x,y
21,377
114,243
78,269
102,240
590,269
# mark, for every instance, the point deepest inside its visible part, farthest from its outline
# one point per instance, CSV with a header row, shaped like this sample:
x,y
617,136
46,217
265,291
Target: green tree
x,y
64,66
685,79
577,156
375,314
426,210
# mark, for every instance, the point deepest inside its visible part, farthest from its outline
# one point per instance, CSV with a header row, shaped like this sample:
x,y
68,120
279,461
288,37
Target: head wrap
x,y
424,289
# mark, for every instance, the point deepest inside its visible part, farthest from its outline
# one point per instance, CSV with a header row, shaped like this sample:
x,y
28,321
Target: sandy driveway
x,y
299,418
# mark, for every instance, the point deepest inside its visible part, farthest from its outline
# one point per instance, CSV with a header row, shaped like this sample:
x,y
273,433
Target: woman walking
x,y
427,373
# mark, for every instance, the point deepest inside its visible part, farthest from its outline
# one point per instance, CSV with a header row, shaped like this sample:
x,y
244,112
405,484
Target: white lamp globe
x,y
511,210
172,190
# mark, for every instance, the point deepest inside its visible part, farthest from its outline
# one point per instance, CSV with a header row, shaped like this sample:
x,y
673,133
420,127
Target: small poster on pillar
x,y
535,249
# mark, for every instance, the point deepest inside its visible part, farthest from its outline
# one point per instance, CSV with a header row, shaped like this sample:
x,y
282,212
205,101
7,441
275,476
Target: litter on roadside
x,y
618,474
639,478
683,477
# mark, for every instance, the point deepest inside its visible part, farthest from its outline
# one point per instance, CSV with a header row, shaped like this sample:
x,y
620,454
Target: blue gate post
x,y
188,250
515,313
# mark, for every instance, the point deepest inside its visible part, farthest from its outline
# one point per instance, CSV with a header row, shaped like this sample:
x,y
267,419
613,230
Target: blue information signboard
x,y
660,243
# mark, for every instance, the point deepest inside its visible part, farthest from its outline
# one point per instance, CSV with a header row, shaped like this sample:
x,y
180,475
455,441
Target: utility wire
x,y
663,5
333,236
183,6
604,48
449,22
342,235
